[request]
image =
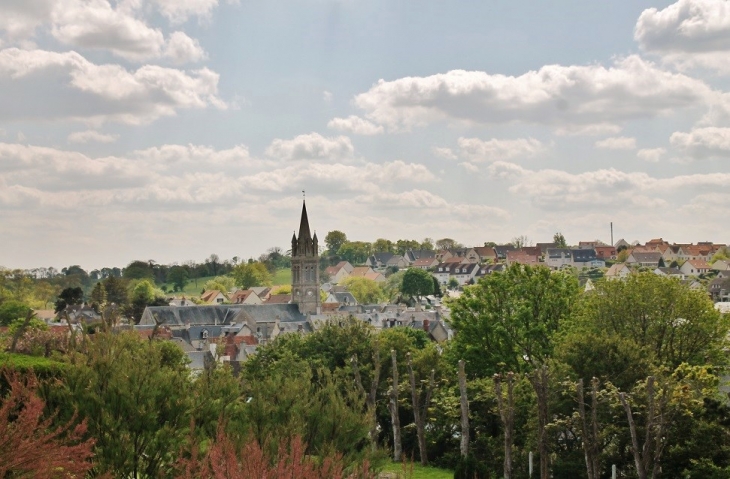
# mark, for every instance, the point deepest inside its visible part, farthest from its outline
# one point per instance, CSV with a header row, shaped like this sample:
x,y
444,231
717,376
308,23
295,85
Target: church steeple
x,y
305,267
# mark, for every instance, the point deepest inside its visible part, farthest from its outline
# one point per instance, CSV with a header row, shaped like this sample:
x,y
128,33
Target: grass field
x,y
282,276
417,472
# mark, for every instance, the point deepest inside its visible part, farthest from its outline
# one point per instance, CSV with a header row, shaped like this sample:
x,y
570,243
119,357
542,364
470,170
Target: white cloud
x,y
444,152
311,146
20,18
469,166
588,130
560,190
78,89
183,49
651,154
563,96
327,97
617,143
477,150
356,125
688,33
703,142
89,136
178,11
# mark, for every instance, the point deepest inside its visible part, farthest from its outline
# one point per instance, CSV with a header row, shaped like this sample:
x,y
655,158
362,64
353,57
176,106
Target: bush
x,y
470,468
12,310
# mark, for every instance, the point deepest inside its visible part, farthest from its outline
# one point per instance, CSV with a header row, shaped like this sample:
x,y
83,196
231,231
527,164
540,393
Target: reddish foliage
x,y
29,445
222,462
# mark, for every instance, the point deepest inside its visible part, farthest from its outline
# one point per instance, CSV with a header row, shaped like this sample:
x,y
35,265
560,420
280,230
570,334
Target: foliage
x,y
356,252
365,290
224,284
12,310
223,461
470,468
334,241
24,364
69,296
447,243
668,321
34,324
134,396
179,277
507,320
382,245
247,275
139,270
143,294
417,282
559,240
30,445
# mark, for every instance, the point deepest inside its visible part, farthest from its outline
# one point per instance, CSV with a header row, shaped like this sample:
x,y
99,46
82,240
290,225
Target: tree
x,y
559,240
520,242
12,310
69,297
116,290
401,246
98,296
365,290
247,275
383,246
143,294
178,276
334,241
417,282
356,252
30,444
668,322
135,397
213,262
453,283
138,270
427,244
447,243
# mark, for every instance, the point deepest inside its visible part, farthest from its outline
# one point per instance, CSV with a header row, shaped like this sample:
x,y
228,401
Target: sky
x,y
174,129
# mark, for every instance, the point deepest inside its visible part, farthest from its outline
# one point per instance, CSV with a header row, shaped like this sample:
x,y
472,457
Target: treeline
x,y
627,375
339,248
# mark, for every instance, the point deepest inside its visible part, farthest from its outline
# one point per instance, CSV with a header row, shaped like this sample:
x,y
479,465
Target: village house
x,y
670,273
605,252
521,257
557,258
339,272
425,263
213,297
586,258
245,296
642,259
617,271
695,267
486,254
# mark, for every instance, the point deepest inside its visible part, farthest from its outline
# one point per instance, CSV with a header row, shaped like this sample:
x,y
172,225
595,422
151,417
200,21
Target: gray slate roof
x,y
218,314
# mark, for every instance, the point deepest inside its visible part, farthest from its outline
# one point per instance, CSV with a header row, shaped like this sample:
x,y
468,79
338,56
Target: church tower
x,y
305,267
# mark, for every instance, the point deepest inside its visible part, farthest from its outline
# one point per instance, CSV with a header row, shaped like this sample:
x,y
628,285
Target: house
x,y
378,260
464,273
558,257
721,265
586,258
442,272
471,256
605,252
361,271
670,273
424,263
622,242
213,297
375,276
279,299
345,298
501,250
415,254
521,257
486,253
543,247
695,267
618,270
339,272
443,255
262,292
397,261
489,269
671,253
590,244
719,289
647,260
245,296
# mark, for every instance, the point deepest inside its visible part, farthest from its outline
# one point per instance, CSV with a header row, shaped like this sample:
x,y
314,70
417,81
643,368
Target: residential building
x,y
695,267
647,260
617,271
557,258
339,272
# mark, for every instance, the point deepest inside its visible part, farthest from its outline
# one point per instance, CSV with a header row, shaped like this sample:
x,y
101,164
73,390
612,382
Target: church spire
x,y
304,231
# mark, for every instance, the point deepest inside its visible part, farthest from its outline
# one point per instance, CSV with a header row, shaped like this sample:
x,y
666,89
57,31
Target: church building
x,y
305,267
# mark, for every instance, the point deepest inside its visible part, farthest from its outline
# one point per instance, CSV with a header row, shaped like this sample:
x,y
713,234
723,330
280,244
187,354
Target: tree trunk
x,y
370,397
393,406
640,472
21,329
464,446
590,436
420,411
507,414
539,381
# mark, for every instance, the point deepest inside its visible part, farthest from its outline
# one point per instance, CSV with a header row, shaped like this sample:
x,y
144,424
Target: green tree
x,y
69,296
559,240
138,270
334,241
447,243
247,275
98,296
668,321
178,276
365,290
356,252
12,310
383,246
401,246
135,397
453,283
143,294
116,290
417,282
427,244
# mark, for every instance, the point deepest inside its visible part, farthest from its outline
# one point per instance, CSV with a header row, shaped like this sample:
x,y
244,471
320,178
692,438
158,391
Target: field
x,y
416,471
282,276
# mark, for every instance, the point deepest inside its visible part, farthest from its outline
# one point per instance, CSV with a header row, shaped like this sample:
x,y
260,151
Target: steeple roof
x,y
304,231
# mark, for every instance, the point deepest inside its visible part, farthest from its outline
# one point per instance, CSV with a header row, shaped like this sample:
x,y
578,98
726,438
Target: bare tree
x,y
507,414
539,380
590,435
464,446
420,410
371,396
393,406
648,457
